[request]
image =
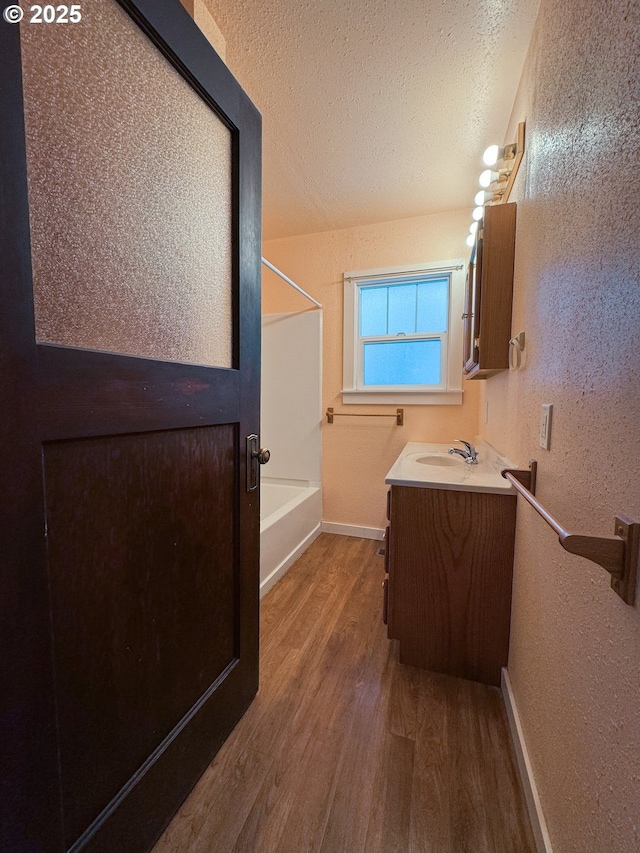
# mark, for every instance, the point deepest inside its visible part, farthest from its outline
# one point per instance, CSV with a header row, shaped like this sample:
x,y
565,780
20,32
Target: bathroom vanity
x,y
449,558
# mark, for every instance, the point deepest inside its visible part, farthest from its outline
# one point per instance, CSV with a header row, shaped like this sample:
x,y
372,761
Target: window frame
x,y
449,390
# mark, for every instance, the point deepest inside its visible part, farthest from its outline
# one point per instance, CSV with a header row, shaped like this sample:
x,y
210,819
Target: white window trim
x,y
450,392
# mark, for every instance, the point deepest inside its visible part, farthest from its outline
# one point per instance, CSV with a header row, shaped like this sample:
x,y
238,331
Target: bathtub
x,y
290,516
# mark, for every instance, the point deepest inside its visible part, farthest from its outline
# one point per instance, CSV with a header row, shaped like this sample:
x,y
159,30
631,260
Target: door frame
x,y
30,805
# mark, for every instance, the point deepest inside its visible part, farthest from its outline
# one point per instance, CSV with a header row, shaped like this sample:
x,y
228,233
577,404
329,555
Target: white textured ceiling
x,y
374,109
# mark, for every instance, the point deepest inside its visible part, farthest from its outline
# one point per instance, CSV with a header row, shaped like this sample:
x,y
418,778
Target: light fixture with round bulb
x,y
497,180
487,178
492,155
470,240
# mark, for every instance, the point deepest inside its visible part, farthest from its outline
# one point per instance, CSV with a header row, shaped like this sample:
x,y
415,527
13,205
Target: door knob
x,y
255,454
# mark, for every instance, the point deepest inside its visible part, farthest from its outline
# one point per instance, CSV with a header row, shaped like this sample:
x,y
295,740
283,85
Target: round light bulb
x,y
473,228
491,155
478,213
471,240
486,177
481,197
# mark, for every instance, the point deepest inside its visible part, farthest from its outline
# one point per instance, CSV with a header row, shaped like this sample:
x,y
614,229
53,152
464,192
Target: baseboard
x,y
536,815
282,568
352,530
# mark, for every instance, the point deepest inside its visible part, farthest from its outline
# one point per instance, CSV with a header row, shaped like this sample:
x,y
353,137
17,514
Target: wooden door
x,y
130,360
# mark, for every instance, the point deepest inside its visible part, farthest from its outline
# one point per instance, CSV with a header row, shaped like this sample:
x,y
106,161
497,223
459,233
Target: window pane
x,y
402,308
402,363
433,299
373,311
130,196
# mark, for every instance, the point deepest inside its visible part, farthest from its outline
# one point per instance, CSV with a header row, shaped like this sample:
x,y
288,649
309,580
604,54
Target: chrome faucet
x,y
469,455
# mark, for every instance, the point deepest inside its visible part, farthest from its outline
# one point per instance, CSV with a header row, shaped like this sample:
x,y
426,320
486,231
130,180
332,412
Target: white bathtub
x,y
290,516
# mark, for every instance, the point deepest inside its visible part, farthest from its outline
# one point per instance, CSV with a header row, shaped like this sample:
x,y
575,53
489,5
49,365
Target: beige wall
x,y
575,657
357,453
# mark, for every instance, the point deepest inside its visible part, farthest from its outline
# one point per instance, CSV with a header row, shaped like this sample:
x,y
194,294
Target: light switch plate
x,y
546,410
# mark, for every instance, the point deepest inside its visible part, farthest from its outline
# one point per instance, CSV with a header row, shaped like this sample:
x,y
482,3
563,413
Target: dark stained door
x,y
129,382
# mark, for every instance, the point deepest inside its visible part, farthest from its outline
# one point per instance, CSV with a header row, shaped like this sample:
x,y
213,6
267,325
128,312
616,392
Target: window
x,y
402,334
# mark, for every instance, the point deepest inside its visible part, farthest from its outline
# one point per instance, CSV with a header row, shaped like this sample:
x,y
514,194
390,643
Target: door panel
x,y
128,543
144,607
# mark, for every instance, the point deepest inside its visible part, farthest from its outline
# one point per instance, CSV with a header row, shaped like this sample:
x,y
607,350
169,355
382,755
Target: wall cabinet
x,y
448,593
488,297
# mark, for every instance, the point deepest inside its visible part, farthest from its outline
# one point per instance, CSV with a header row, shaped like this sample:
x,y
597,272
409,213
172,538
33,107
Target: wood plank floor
x,y
345,750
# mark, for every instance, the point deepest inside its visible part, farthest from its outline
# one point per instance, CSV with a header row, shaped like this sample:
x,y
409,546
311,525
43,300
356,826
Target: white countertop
x,y
445,471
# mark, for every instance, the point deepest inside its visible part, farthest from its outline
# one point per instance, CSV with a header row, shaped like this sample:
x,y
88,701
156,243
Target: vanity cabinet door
x,y
385,601
451,563
387,584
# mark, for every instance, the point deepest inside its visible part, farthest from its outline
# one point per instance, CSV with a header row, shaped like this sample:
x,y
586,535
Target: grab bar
x,y
290,282
399,415
617,554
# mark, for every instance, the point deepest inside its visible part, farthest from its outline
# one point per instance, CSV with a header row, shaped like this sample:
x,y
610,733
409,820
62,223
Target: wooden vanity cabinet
x,y
489,293
448,594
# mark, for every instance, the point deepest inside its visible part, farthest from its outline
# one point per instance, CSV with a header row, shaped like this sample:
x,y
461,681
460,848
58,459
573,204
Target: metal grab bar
x,y
290,282
398,415
617,554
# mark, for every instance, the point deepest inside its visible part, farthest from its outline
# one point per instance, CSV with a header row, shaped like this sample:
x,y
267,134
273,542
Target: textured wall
x,y
357,453
575,648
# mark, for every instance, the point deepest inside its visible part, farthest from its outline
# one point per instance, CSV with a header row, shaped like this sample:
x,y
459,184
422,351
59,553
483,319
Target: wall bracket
x,y
617,554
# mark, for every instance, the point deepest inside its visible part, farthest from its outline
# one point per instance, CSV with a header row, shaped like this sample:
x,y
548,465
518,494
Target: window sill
x,y
405,398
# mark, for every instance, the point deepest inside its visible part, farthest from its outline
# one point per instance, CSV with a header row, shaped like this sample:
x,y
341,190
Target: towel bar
x,y
398,415
617,554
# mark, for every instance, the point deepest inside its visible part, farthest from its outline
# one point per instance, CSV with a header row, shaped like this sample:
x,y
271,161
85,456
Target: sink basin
x,y
429,465
443,461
